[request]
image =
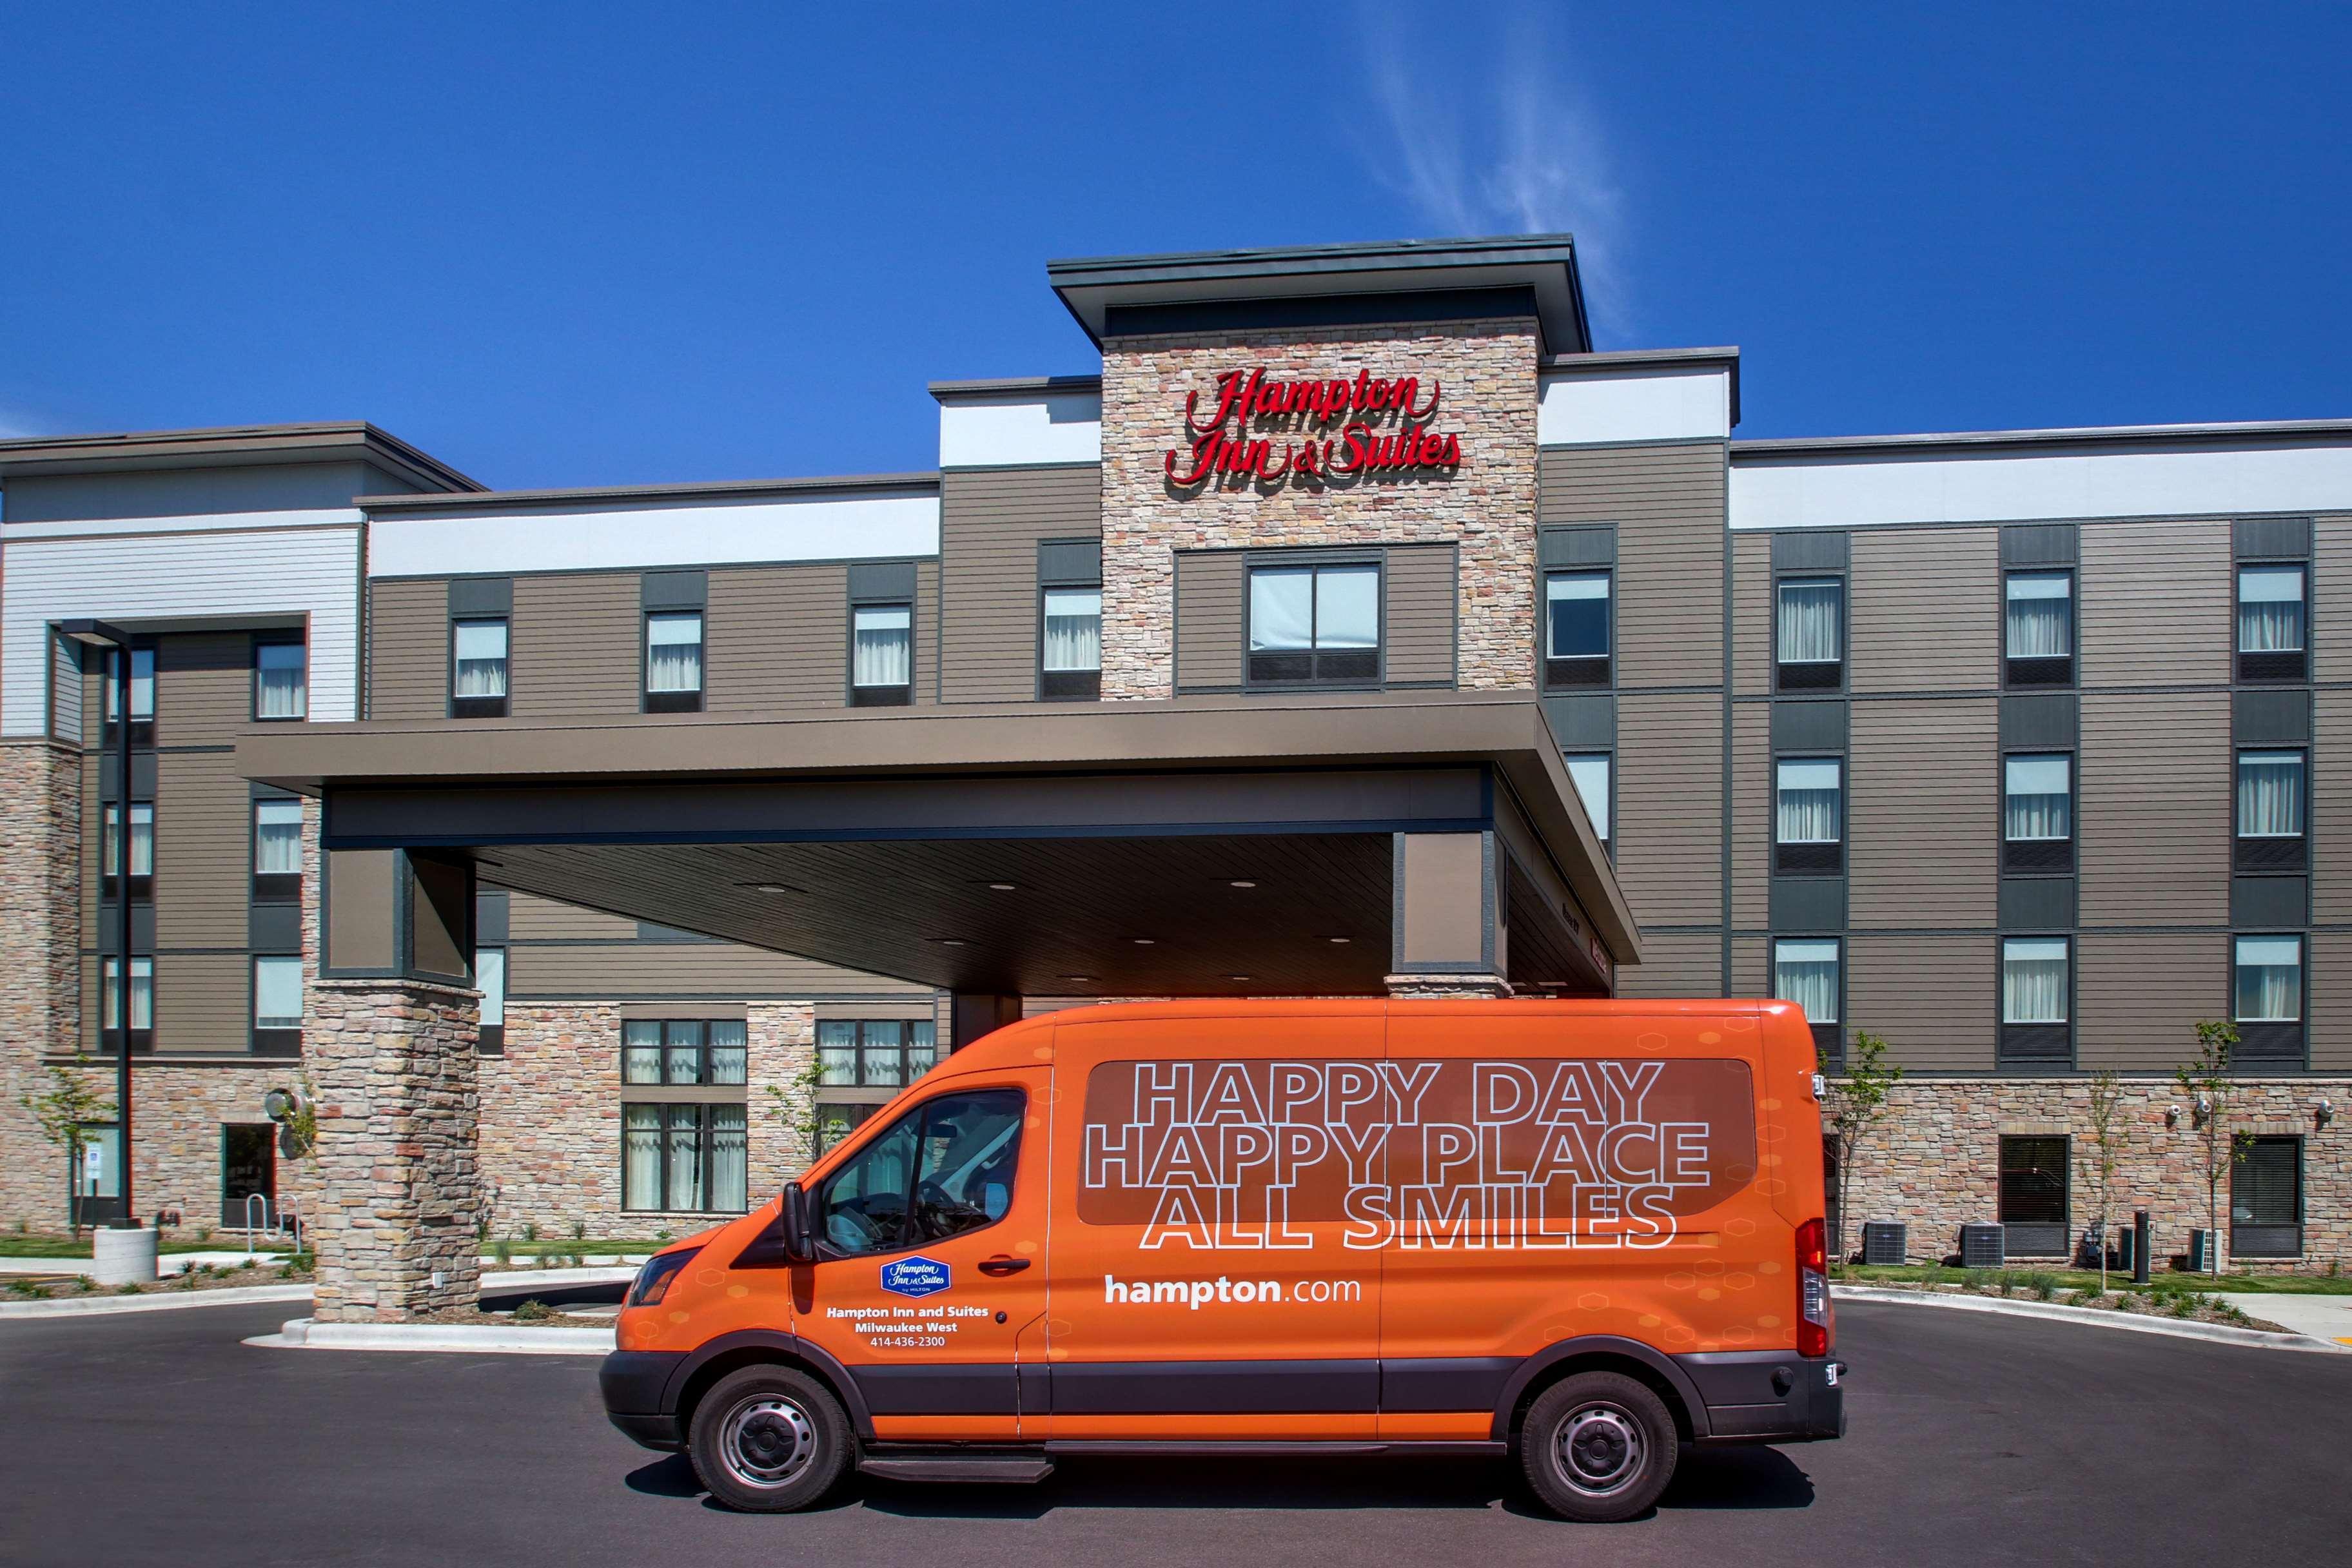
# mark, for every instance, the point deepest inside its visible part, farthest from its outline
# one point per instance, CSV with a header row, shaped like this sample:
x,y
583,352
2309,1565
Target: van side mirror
x,y
795,1227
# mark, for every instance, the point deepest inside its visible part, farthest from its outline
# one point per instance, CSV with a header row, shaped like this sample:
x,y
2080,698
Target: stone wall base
x,y
1446,985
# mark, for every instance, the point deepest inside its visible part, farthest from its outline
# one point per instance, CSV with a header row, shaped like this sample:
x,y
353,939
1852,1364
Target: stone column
x,y
393,1063
779,1095
1447,936
40,959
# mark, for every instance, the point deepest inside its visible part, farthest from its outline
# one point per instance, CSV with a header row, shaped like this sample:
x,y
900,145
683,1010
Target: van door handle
x,y
1002,1265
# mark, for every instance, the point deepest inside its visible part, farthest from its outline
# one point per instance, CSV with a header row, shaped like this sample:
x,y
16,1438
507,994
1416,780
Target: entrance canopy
x,y
1198,847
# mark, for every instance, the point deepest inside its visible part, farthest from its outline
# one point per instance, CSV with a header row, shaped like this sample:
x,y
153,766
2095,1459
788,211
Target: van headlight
x,y
654,1278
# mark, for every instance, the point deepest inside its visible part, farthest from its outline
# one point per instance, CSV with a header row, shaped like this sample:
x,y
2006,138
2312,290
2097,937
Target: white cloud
x,y
1515,150
17,422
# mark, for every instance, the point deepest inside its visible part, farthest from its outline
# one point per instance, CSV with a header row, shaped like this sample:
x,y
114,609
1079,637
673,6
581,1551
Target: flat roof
x,y
2250,431
707,489
229,446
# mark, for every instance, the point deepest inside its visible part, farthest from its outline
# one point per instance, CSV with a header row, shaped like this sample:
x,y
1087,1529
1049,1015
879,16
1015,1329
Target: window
x,y
687,1159
142,849
143,694
682,1050
1314,623
281,673
2270,811
276,850
834,1123
1577,629
1589,774
2036,993
2266,1199
2266,1001
2271,623
478,668
143,1002
277,1005
874,1054
2039,636
882,655
1806,972
2037,816
490,979
1070,645
2033,1195
674,661
944,1168
1809,633
1808,815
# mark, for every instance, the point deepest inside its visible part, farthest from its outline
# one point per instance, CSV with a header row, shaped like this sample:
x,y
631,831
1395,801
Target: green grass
x,y
179,1241
631,1246
2164,1281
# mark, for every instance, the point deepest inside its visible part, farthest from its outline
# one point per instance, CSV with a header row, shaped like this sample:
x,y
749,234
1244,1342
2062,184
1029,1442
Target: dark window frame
x,y
1578,672
1318,562
2274,853
2037,857
276,1042
1608,755
279,639
1829,1038
112,820
700,1112
269,886
2041,1237
905,1044
1813,677
2277,669
1811,858
879,696
143,731
480,707
2270,1239
142,1041
652,701
2263,1042
492,1038
700,1044
2046,673
2034,1047
1067,685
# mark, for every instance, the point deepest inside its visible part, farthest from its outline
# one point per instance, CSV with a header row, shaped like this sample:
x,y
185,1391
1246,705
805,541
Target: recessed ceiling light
x,y
1339,940
1242,977
1241,882
1143,941
949,940
1081,979
772,886
1005,886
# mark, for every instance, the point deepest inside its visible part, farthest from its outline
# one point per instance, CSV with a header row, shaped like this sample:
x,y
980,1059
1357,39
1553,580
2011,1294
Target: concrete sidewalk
x,y
180,1262
2321,1317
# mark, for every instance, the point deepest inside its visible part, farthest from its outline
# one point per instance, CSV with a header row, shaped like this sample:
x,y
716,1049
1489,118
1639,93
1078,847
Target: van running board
x,y
1014,1469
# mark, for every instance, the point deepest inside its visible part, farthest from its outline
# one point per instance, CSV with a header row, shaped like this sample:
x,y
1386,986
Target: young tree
x,y
1852,1104
63,1109
2206,1080
2105,1155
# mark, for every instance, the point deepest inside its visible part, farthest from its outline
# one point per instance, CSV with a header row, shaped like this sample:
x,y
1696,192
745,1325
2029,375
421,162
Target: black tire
x,y
1598,1446
768,1440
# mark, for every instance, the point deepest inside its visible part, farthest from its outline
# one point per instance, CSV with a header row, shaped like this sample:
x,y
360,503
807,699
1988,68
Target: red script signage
x,y
1222,447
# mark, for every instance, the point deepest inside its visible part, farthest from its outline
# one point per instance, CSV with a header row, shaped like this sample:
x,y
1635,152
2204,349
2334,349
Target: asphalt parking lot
x,y
160,1438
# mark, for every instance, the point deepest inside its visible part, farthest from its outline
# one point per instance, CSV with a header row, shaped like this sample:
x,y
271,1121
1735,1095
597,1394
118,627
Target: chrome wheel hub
x,y
767,1441
1600,1449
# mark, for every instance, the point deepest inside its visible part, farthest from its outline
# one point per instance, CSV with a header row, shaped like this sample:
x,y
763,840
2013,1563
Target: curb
x,y
302,1334
2212,1333
509,1284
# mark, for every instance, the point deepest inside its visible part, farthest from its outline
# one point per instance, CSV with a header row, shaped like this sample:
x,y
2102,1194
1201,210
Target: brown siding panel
x,y
927,633
779,638
1668,502
1675,964
1751,815
1421,610
1930,997
2331,573
2137,999
2329,983
1210,594
1923,813
1752,613
1752,968
573,652
408,649
2154,820
1669,827
2331,807
2156,603
1925,609
991,522
200,1002
532,918
203,849
681,969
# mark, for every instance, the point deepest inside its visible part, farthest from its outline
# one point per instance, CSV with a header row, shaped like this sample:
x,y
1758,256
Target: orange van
x,y
1583,1233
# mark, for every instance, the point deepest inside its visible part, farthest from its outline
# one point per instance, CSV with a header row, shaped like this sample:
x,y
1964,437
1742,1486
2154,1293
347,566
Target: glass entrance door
x,y
248,1170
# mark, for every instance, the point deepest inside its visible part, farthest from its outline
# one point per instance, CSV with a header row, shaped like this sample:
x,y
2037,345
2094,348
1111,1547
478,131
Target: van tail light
x,y
1816,1321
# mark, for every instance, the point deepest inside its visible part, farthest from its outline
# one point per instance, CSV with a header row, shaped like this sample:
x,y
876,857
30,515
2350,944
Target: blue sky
x,y
579,244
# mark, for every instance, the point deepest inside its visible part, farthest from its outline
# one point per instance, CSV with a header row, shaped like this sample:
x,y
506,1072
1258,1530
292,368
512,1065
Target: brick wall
x,y
1489,372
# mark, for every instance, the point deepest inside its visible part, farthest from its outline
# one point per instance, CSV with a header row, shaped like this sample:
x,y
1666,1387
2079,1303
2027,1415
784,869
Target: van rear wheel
x,y
768,1439
1598,1446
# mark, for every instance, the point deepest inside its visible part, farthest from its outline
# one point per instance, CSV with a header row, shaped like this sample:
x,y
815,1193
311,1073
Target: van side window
x,y
945,1167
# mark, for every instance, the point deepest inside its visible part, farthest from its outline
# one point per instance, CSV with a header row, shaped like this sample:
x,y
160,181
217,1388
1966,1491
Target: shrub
x,y
579,1230
21,1286
2185,1303
533,1311
503,1251
1975,1279
84,1284
530,1230
204,1232
126,1289
2044,1287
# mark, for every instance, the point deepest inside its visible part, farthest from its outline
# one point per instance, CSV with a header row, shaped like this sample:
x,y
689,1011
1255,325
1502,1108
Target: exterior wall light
x,y
2322,1113
2172,1116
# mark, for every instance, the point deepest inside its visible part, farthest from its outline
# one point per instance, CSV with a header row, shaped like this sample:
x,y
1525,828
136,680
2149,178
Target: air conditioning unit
x,y
1984,1247
2201,1251
1883,1242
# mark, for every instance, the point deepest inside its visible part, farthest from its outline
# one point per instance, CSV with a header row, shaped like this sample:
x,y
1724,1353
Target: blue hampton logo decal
x,y
915,1276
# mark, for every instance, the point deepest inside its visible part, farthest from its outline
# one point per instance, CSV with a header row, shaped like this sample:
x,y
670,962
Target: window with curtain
x,y
683,1051
1810,802
2037,797
684,1158
2269,795
2269,979
278,993
1073,641
1314,623
143,993
1576,615
2270,609
143,843
2040,620
280,681
2033,979
1806,973
882,647
1590,774
673,659
277,839
1811,620
143,684
881,1053
478,650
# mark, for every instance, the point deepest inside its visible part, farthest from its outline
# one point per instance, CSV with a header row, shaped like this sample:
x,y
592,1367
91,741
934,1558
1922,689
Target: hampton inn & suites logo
x,y
1372,424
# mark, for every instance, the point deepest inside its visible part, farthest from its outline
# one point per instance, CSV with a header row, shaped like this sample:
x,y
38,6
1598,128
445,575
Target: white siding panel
x,y
1634,405
1857,489
826,528
145,577
996,433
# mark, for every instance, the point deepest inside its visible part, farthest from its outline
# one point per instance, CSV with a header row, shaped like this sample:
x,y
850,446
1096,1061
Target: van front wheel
x,y
1598,1446
768,1439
